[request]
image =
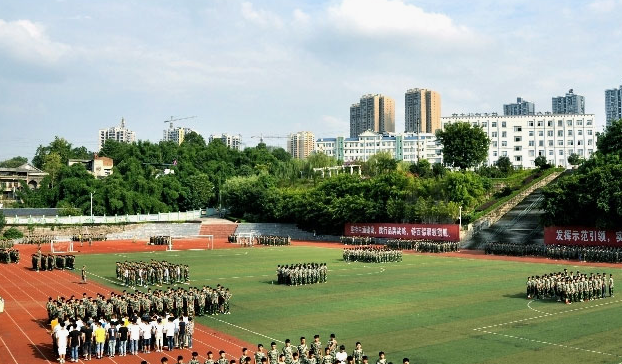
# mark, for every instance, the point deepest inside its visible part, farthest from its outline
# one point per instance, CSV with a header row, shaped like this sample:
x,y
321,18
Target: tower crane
x,y
173,119
262,137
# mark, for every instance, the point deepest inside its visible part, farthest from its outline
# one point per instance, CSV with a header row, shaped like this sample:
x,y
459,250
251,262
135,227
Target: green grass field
x,y
430,309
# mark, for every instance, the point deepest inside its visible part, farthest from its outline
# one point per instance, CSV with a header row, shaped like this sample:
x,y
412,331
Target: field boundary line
x,y
245,329
9,350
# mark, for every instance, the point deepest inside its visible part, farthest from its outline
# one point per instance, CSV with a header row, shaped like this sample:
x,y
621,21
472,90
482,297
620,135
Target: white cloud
x,y
394,18
604,6
301,18
28,41
260,17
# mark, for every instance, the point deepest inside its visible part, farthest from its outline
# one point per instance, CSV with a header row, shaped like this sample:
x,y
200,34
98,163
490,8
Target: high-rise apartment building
x,y
231,141
177,134
613,105
372,112
521,107
569,104
301,144
118,133
423,111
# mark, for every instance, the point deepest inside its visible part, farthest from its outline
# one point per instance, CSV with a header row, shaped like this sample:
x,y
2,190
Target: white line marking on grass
x,y
7,349
533,309
245,329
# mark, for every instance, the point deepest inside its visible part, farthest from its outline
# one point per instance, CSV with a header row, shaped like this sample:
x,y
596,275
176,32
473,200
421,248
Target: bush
x,y
505,191
13,233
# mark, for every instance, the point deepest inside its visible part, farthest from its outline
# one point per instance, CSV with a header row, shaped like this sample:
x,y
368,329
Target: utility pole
x,y
91,207
460,218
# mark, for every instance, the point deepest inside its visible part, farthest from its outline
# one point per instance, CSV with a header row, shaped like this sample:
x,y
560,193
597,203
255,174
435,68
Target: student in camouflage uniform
x,y
259,354
568,287
358,353
210,358
273,354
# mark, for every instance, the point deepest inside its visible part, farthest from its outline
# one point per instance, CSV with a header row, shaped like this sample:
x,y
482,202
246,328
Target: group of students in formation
x,y
301,273
315,353
595,253
270,240
88,237
96,337
570,287
372,254
43,262
424,246
357,240
152,273
9,255
161,240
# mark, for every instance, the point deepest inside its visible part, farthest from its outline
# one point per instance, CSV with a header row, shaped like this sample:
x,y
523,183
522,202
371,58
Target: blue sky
x,y
71,67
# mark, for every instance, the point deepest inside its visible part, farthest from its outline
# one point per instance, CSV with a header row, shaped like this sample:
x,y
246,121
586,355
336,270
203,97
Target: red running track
x,y
24,335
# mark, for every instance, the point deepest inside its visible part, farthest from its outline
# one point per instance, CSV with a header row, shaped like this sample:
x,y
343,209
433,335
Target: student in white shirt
x,y
61,341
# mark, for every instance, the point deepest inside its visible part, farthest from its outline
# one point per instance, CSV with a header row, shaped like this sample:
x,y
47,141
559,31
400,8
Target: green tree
x,y
505,165
2,221
464,146
200,191
438,170
541,162
52,164
610,141
14,162
574,159
379,163
421,168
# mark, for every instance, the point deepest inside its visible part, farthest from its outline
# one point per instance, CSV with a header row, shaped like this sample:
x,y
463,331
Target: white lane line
x,y
245,329
7,349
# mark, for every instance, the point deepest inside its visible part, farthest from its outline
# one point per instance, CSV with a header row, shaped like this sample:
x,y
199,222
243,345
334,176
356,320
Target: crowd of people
x,y
48,262
569,287
357,240
9,255
595,253
270,240
301,273
37,239
151,273
160,240
372,254
89,237
89,337
424,246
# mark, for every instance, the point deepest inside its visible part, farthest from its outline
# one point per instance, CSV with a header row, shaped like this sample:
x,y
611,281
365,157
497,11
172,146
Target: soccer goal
x,y
209,240
61,246
245,239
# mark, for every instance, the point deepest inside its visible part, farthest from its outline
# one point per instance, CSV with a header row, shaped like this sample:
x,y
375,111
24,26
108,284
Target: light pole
x,y
460,217
91,207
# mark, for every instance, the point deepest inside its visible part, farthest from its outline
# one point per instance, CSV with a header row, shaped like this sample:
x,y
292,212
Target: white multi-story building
x,y
522,138
301,144
118,133
230,140
409,147
177,134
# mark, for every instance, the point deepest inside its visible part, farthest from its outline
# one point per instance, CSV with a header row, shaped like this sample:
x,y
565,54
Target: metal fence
x,y
116,219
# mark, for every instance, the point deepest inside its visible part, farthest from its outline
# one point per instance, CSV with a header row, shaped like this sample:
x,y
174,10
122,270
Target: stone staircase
x,y
144,231
220,228
282,230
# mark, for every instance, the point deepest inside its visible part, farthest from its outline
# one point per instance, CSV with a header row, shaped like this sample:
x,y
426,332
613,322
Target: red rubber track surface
x,y
24,334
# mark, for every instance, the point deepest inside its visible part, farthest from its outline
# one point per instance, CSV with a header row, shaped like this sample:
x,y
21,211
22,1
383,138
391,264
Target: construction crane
x,y
172,119
261,137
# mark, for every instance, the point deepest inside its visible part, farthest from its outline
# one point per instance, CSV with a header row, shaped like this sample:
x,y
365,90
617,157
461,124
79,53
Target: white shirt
x,y
145,330
341,356
169,328
134,330
61,337
159,330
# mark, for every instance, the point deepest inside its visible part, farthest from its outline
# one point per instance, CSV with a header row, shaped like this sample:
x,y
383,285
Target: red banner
x,y
445,232
580,235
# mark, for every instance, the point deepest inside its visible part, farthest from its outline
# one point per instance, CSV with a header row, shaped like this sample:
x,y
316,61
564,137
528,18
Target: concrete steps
x,y
282,230
219,231
144,231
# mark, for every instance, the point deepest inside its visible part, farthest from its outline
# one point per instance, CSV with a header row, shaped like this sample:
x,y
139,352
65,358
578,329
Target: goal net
x,y
204,241
58,246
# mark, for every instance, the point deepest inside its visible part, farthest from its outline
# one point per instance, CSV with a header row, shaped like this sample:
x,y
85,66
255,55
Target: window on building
x,y
579,142
550,143
530,122
590,151
569,132
570,142
589,142
541,133
494,124
504,134
504,143
518,139
579,132
540,143
549,133
561,152
579,122
518,129
541,123
589,122
560,133
494,144
504,153
580,151
560,123
494,153
518,158
541,152
551,152
531,153
531,143
560,142
518,148
589,132
494,134
549,123
503,124
530,133
568,122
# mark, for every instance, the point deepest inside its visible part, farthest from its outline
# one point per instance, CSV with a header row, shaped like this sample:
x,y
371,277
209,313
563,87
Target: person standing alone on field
x,y
84,274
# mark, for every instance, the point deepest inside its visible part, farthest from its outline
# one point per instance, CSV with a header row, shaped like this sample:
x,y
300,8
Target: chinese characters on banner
x,y
444,232
577,235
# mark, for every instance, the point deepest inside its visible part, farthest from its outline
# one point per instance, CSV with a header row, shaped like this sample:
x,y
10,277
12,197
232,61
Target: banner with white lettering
x,y
580,235
443,232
